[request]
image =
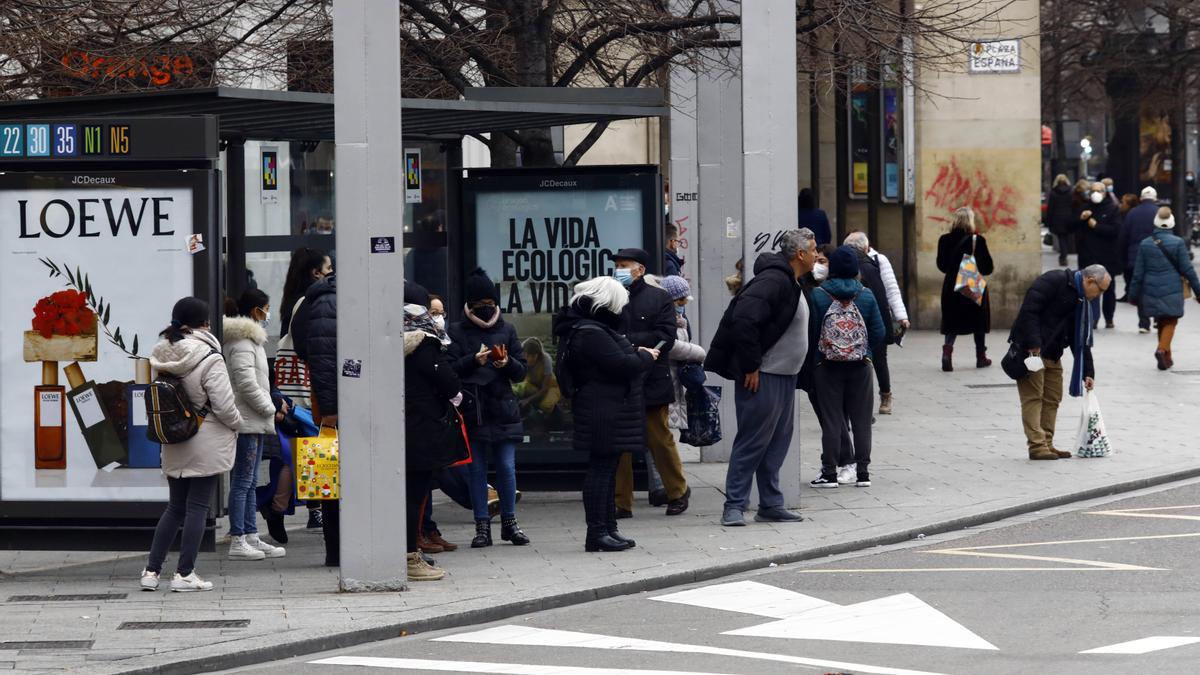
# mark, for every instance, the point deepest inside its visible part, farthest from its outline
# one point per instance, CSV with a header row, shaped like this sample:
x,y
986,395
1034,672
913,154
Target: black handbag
x,y
1013,363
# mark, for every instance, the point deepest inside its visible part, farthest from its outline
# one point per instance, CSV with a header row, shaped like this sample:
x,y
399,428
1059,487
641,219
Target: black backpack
x,y
170,415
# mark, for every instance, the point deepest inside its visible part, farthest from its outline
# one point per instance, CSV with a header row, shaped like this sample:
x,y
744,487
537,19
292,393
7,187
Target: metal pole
x,y
370,205
769,151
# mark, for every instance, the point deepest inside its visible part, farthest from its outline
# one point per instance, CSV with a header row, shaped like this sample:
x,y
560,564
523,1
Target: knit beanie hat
x,y
480,287
415,294
677,286
1164,220
843,263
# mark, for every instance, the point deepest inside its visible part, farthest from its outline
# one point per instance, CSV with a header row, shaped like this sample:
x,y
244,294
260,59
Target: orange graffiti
x,y
683,229
954,188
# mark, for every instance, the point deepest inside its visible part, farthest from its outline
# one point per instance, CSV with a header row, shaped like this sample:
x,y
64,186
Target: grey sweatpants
x,y
764,433
845,394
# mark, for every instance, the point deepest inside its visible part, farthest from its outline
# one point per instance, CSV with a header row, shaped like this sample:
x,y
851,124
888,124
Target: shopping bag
x,y
1092,441
969,281
316,470
704,417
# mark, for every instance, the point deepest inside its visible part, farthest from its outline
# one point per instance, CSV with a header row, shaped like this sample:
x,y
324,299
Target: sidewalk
x,y
951,456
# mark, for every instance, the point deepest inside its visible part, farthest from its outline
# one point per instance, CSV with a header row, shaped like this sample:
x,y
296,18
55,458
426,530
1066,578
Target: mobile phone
x,y
659,346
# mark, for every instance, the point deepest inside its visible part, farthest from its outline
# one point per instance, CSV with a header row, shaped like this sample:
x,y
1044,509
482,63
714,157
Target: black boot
x,y
603,542
615,534
511,531
274,524
483,534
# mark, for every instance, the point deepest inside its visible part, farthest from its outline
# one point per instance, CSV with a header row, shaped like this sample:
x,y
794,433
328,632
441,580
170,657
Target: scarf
x,y
1083,335
480,322
417,318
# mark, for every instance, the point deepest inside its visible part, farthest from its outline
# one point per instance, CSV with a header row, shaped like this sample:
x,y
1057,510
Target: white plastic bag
x,y
1091,441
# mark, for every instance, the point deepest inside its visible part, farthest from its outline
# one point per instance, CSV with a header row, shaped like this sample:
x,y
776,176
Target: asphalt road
x,y
1029,595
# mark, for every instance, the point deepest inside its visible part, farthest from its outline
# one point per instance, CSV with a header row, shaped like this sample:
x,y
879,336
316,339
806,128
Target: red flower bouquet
x,y
64,313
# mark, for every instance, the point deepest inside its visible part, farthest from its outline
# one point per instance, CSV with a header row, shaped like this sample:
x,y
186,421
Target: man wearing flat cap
x,y
649,319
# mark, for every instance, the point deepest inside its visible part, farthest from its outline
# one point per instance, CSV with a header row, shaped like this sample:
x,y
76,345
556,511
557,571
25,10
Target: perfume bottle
x,y
49,412
143,452
98,430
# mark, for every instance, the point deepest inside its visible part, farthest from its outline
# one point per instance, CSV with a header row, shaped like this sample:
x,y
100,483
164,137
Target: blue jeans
x,y
503,455
764,435
243,500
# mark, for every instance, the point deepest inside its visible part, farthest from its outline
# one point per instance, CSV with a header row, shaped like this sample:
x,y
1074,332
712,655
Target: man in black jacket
x,y
314,336
649,321
872,278
761,344
1046,326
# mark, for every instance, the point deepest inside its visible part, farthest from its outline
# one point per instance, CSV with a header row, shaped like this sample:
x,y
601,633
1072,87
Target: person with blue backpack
x,y
847,328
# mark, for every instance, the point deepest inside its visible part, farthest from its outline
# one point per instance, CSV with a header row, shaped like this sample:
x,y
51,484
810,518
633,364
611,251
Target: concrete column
x,y
685,181
770,154
370,204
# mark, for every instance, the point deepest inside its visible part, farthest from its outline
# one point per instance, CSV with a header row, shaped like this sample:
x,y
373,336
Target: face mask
x,y
1097,197
484,312
679,309
624,276
820,271
1108,188
266,318
440,322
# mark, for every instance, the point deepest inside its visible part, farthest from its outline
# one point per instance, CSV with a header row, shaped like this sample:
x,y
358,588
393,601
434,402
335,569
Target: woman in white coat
x,y
247,358
189,351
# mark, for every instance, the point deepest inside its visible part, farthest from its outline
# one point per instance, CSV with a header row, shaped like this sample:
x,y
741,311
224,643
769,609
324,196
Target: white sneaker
x,y
846,474
189,584
240,549
267,549
149,580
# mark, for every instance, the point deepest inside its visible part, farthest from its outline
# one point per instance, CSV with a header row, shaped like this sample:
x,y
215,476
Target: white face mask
x,y
1097,197
820,271
266,318
440,321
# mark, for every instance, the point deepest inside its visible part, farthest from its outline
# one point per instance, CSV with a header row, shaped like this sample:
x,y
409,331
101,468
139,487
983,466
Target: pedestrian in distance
x,y
1136,226
672,263
648,320
314,337
430,384
1055,315
871,276
761,344
488,357
602,373
962,315
1098,234
1163,276
1128,203
246,358
1058,216
684,351
812,218
189,351
847,329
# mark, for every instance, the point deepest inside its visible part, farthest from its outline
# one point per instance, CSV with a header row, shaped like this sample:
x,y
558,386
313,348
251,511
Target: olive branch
x,y
82,283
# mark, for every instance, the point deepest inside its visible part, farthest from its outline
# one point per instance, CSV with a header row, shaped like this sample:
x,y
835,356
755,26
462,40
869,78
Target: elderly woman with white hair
x,y
602,374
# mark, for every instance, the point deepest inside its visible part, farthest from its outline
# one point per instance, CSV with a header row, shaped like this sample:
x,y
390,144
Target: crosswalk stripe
x,y
530,636
485,667
1145,645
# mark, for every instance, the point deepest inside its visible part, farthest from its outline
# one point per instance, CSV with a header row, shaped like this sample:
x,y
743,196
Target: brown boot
x,y
981,359
947,355
428,546
1161,357
1043,453
885,404
436,538
1062,454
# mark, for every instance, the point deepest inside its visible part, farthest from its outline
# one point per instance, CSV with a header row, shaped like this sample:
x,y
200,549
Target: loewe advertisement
x,y
90,266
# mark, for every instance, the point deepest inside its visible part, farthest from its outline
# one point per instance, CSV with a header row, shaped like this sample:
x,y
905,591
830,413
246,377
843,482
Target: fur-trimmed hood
x,y
181,357
243,328
413,339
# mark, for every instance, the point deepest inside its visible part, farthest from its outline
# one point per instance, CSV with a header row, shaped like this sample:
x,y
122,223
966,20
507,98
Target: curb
x,y
227,655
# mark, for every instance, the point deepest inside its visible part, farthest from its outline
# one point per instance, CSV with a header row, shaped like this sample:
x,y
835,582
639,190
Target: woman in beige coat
x,y
247,362
189,351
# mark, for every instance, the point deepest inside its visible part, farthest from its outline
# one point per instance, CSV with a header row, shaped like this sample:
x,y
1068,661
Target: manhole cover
x,y
167,625
67,598
998,385
48,644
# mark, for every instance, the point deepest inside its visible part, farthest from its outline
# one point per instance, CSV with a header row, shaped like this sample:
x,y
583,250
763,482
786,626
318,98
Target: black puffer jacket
x,y
648,319
1046,320
1059,210
1101,245
756,318
497,414
872,278
314,335
607,373
429,384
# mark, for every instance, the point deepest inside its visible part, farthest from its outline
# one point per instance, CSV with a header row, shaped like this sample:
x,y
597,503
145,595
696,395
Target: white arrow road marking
x,y
1145,645
983,552
902,619
544,637
484,667
1150,512
899,619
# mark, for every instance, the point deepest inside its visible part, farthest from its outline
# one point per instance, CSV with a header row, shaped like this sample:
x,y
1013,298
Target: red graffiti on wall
x,y
954,188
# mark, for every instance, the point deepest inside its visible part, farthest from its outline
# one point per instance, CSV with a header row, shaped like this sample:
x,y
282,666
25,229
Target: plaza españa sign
x,y
1000,56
